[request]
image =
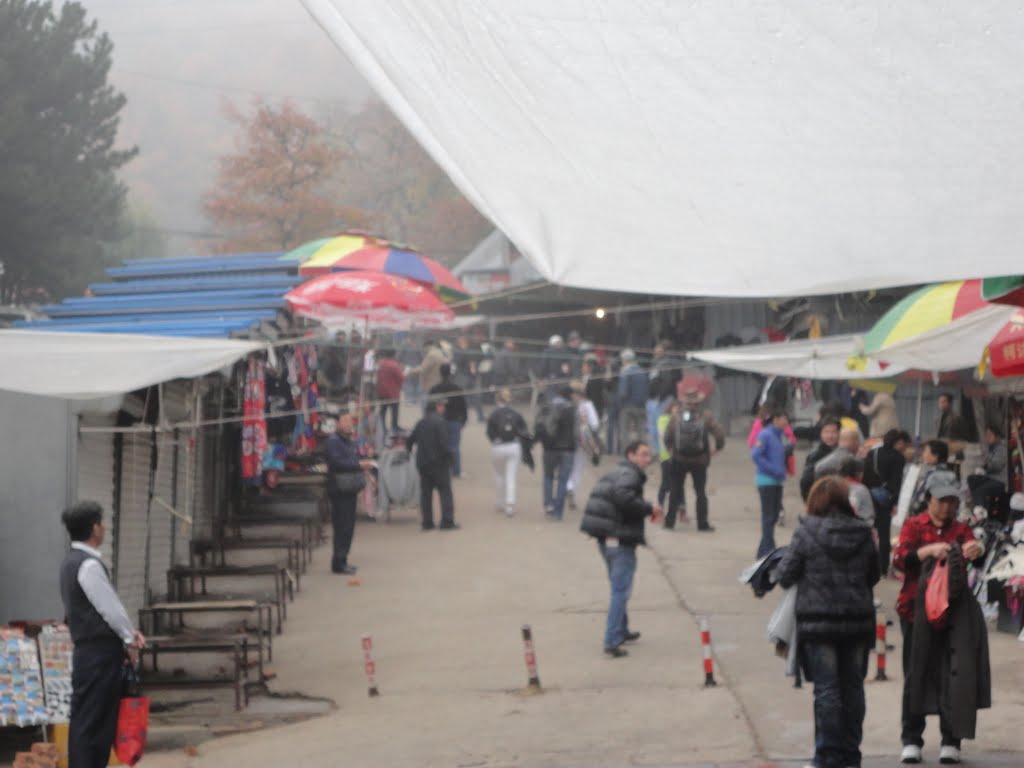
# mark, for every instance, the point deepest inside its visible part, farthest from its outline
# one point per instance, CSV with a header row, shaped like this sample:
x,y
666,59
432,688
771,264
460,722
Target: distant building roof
x,y
494,264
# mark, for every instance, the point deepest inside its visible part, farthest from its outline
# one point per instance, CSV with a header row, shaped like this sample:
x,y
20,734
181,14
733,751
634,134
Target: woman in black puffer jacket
x,y
833,562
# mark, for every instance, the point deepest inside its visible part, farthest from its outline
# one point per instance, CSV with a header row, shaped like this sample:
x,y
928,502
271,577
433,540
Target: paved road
x,y
445,610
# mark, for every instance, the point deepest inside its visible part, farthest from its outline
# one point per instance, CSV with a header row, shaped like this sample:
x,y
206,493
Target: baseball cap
x,y
942,484
627,354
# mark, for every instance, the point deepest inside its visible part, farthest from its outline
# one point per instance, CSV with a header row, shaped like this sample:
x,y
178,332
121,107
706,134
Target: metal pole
x,y
917,417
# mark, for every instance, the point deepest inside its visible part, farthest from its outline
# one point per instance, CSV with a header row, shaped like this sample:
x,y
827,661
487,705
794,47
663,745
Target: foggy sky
x,y
176,60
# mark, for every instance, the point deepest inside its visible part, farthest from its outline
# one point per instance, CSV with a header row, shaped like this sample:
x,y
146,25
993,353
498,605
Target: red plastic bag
x,y
936,596
132,725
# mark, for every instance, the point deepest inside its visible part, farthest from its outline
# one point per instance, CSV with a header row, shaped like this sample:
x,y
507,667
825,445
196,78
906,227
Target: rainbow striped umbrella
x,y
924,310
318,256
404,262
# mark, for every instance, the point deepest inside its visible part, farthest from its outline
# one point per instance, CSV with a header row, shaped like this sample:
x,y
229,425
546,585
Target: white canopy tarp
x,y
749,148
86,366
953,347
824,358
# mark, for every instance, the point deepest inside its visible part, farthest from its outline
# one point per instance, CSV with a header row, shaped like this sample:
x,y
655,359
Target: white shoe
x,y
911,754
510,511
949,755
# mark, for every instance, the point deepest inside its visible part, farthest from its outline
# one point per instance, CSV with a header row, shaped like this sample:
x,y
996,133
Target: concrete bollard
x,y
531,658
880,645
705,641
369,666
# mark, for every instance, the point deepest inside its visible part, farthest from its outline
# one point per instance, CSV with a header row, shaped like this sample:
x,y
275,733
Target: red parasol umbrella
x,y
1006,350
375,298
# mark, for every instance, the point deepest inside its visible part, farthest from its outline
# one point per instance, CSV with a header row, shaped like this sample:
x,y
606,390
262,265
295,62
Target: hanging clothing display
x,y
254,423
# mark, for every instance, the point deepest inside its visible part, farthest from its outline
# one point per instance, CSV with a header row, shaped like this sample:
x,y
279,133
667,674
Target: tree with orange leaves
x,y
273,192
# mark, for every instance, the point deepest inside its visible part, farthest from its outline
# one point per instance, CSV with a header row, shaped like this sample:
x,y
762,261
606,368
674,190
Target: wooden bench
x,y
235,645
182,579
206,552
308,530
169,618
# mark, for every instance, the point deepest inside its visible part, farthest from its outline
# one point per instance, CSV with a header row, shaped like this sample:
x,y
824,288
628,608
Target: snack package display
x,y
22,702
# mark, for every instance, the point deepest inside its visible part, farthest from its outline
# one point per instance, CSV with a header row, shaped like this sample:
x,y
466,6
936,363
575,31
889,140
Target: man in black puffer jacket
x,y
615,516
833,562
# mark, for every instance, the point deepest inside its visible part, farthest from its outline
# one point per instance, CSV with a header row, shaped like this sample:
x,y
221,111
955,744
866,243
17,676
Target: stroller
x,y
398,482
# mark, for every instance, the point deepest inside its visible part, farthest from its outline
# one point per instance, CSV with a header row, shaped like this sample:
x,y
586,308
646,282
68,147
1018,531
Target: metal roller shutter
x,y
131,523
95,480
208,473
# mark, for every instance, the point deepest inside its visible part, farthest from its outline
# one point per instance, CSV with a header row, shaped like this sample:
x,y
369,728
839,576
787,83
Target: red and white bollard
x,y
531,658
369,666
880,645
705,641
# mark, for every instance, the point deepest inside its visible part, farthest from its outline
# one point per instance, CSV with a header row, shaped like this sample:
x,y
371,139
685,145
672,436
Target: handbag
x,y
132,719
349,482
936,596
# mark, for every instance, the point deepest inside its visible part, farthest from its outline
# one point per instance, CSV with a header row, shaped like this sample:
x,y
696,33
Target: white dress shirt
x,y
93,579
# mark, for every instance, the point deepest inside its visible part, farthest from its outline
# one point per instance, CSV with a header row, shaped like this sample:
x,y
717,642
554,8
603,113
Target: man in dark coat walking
x,y
433,460
103,636
342,461
615,516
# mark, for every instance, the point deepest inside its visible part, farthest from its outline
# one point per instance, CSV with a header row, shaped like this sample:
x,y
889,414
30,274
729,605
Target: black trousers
x,y
913,724
393,407
343,520
676,499
95,699
440,479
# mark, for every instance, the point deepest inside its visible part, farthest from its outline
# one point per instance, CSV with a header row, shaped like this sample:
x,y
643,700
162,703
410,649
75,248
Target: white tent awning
x,y
824,358
729,149
86,366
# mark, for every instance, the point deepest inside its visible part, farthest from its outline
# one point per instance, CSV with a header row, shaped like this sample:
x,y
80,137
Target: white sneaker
x,y
949,755
510,511
911,754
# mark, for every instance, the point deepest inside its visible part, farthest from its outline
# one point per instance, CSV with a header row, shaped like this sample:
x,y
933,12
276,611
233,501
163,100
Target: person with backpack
x,y
883,476
688,439
506,428
769,457
556,431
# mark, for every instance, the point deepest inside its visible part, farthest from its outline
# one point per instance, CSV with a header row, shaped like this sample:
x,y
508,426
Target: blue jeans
x,y
654,409
454,440
771,505
621,564
838,668
556,463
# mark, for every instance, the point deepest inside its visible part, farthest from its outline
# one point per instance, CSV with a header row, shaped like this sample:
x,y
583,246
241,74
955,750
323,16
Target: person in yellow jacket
x,y
665,458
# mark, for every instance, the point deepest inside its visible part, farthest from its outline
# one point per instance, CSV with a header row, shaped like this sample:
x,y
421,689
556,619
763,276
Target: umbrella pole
x,y
917,417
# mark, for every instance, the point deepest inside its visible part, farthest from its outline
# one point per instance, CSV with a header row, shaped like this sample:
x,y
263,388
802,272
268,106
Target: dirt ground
x,y
445,609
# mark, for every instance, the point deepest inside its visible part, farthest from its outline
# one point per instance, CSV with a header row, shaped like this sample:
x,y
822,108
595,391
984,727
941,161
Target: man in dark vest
x,y
103,636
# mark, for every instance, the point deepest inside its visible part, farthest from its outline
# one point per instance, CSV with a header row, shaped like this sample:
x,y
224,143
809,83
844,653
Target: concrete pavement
x,y
445,610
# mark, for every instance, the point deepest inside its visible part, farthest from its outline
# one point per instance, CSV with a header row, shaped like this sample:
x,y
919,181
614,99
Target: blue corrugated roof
x,y
282,284
214,296
243,263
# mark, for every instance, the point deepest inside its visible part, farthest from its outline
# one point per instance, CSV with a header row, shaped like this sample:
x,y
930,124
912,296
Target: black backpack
x,y
691,435
508,430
